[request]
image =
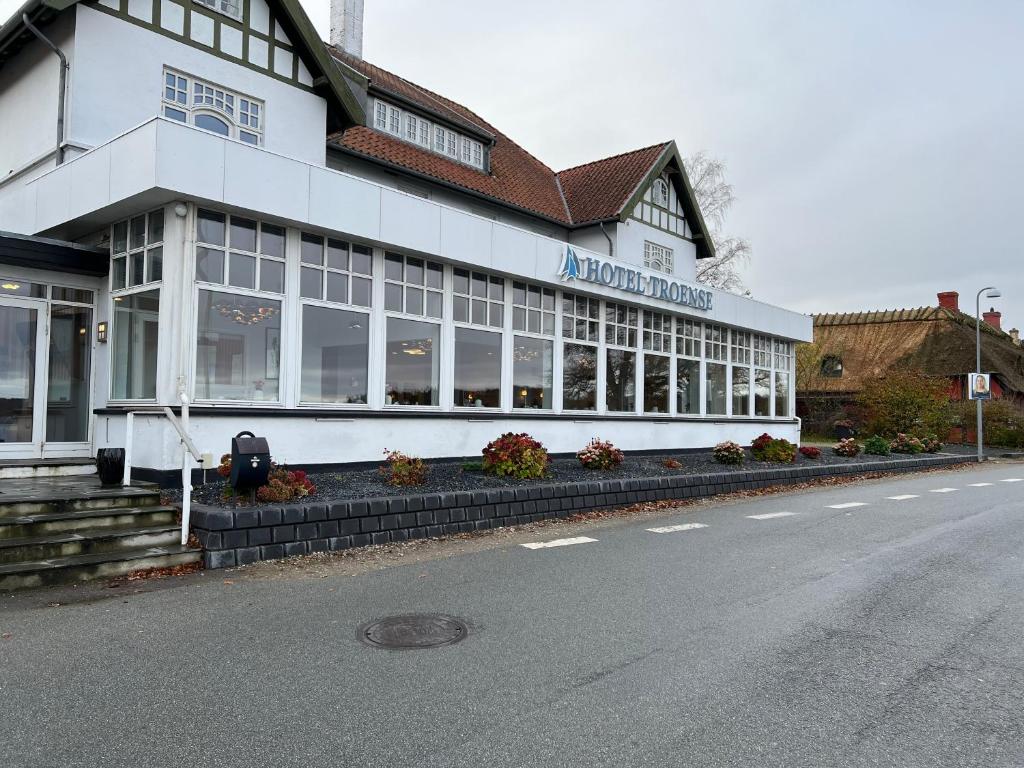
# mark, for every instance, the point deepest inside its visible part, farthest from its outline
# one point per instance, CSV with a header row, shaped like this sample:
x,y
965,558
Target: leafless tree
x,y
715,197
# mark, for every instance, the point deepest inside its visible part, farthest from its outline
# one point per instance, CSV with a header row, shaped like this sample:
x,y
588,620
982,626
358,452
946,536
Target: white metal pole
x,y
186,473
977,368
129,432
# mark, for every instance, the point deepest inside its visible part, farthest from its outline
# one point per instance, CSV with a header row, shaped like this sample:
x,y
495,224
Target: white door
x,y
22,377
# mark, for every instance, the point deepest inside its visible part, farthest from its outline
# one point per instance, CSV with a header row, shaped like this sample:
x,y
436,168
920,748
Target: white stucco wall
x,y
630,238
28,99
302,439
119,82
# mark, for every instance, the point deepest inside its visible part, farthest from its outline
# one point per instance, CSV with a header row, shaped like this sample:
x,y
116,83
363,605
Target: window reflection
x,y
579,378
656,383
687,386
477,368
621,385
532,372
238,355
335,351
413,354
715,388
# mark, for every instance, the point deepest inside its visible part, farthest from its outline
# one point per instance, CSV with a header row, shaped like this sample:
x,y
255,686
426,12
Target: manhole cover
x,y
421,630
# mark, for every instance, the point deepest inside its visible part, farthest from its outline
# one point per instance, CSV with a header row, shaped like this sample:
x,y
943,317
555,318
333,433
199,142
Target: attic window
x,y
832,367
659,193
232,8
414,129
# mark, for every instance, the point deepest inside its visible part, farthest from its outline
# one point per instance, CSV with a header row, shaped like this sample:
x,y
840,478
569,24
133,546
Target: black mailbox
x,y
250,460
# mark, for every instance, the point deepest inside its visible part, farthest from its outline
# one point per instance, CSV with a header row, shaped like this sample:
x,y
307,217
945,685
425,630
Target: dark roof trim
x,y
702,236
57,255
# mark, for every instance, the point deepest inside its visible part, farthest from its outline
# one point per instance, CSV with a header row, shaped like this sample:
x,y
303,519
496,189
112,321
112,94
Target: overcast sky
x,y
875,147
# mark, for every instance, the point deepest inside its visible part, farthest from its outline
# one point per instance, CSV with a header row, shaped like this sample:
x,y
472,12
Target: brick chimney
x,y
993,318
1015,335
950,300
347,26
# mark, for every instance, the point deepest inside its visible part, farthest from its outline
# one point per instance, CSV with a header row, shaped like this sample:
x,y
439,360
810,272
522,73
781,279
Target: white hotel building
x,y
200,198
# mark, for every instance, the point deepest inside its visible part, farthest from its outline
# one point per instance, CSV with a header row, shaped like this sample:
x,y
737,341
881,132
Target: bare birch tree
x,y
715,197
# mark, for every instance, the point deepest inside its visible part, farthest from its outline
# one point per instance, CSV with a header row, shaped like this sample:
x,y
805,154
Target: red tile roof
x,y
588,193
597,191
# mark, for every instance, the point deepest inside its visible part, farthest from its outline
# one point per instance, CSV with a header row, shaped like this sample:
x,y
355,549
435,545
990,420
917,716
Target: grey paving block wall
x,y
232,537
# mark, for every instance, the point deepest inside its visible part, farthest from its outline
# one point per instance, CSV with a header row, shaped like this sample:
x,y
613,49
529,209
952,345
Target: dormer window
x,y
659,193
832,367
417,130
212,108
232,8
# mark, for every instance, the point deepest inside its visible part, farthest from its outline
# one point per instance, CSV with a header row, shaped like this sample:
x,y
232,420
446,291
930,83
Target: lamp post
x,y
990,293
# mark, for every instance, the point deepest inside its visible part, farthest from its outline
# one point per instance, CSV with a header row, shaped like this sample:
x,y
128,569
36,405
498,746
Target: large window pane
x,y
134,350
656,372
740,391
238,355
715,389
579,378
477,368
67,400
621,381
532,372
413,354
335,351
781,394
762,392
687,386
17,372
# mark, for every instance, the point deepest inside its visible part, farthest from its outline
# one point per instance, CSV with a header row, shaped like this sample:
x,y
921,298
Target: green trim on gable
x,y
701,234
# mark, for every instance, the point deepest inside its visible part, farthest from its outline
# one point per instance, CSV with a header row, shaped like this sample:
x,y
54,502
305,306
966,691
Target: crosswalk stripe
x,y
980,485
770,515
944,490
1011,480
848,505
676,528
904,497
558,542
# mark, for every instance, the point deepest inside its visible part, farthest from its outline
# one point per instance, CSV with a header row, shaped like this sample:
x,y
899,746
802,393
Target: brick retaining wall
x,y
240,536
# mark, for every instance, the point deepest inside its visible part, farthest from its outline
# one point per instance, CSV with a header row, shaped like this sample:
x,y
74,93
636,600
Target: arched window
x,y
659,193
212,123
212,108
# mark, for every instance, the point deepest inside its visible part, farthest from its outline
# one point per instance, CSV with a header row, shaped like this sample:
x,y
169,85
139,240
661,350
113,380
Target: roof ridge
x,y
661,144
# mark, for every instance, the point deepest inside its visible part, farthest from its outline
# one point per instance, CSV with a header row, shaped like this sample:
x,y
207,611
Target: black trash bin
x,y
250,461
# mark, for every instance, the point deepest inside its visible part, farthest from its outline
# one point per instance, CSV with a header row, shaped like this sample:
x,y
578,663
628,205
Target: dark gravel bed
x,y
447,477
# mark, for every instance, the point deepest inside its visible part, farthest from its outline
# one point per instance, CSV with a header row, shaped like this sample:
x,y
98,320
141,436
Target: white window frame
x,y
244,115
659,258
417,130
230,8
660,193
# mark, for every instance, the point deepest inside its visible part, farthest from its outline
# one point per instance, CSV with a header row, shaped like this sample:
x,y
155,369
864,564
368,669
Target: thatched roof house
x,y
850,349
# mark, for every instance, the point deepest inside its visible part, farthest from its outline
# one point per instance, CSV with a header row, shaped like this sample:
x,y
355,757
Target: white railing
x,y
188,449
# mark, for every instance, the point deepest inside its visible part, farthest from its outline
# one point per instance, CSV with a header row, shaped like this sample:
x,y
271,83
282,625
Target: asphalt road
x,y
889,634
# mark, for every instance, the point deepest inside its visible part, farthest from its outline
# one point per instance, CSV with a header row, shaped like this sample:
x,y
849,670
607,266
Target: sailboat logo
x,y
571,265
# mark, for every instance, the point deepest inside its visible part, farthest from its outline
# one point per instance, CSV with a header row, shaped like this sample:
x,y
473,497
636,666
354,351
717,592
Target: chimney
x,y
993,318
347,26
1015,335
950,300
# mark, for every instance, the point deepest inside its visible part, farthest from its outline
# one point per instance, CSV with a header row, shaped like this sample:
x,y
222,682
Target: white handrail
x,y
188,449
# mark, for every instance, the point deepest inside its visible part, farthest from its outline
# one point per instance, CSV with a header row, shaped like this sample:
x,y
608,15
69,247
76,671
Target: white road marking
x,y
904,497
675,528
980,485
944,490
1011,480
770,515
848,504
558,542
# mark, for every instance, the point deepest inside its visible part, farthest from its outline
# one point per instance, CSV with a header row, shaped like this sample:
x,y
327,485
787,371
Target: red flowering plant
x,y
285,485
401,469
810,451
600,454
515,455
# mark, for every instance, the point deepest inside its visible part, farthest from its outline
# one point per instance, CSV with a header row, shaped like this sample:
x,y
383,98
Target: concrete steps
x,y
69,528
68,570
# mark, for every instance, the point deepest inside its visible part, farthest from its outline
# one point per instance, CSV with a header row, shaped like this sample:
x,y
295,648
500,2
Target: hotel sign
x,y
591,270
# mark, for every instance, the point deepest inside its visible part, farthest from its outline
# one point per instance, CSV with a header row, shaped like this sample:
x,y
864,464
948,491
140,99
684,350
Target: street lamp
x,y
990,293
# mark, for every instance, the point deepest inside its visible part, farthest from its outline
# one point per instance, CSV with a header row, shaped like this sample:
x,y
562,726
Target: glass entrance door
x,y
67,387
22,326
